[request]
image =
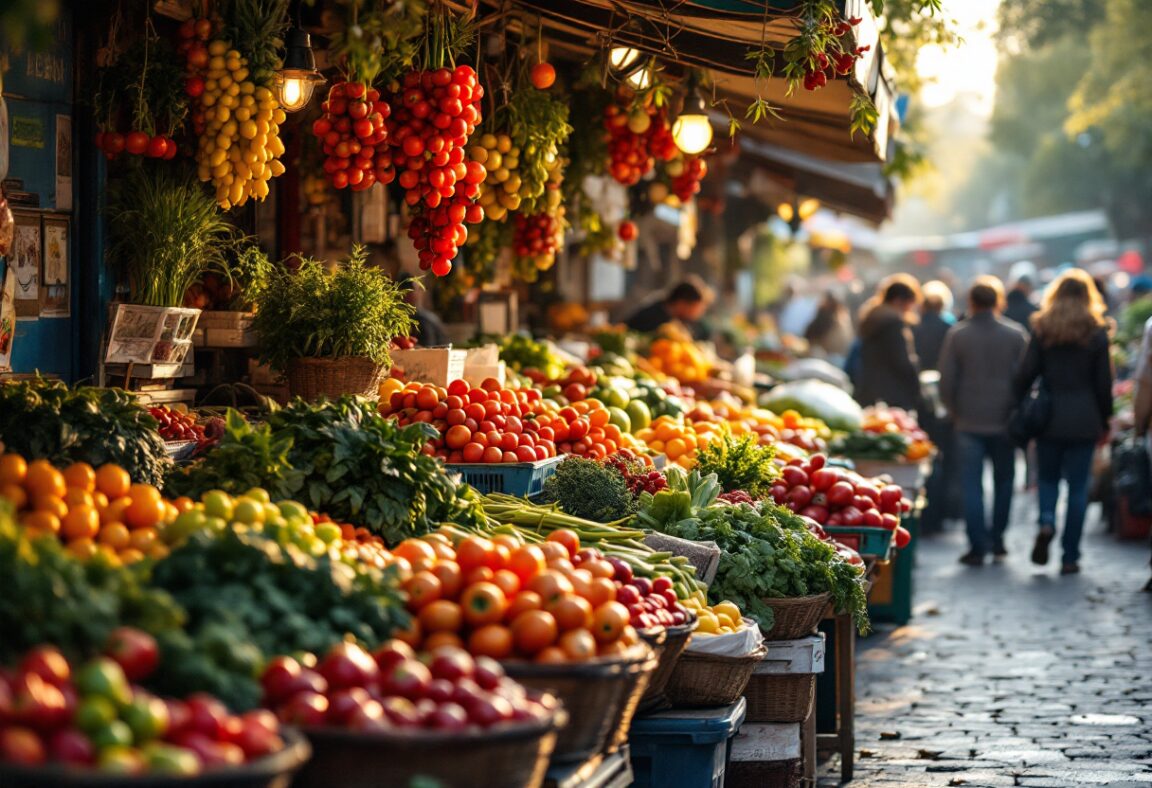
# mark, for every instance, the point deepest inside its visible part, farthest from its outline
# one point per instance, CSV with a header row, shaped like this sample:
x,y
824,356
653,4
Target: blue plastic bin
x,y
686,748
525,479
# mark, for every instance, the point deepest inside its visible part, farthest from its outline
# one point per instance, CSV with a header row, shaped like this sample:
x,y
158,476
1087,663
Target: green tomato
x,y
216,525
104,678
218,503
169,759
94,713
147,716
258,494
328,533
271,510
294,510
121,759
115,734
185,524
248,511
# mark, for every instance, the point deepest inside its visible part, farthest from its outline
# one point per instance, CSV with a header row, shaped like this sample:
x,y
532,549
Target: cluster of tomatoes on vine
x,y
353,134
817,69
636,139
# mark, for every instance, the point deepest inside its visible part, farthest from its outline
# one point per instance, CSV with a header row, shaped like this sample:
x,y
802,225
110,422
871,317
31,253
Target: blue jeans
x,y
1072,462
974,450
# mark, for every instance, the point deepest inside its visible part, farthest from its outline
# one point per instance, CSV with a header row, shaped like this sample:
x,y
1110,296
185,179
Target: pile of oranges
x,y
91,511
679,440
501,598
680,359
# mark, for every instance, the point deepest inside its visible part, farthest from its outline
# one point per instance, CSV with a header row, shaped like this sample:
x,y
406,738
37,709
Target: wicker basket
x,y
780,697
703,680
672,642
313,378
796,617
514,756
273,771
595,694
637,685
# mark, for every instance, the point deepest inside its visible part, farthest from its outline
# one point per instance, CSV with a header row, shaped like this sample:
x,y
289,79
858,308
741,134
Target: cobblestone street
x,y
1011,675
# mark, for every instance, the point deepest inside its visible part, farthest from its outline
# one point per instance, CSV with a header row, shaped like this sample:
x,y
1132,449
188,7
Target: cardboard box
x,y
229,337
438,366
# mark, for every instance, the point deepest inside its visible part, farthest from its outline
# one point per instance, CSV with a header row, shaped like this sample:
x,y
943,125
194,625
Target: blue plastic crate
x,y
865,540
688,748
524,479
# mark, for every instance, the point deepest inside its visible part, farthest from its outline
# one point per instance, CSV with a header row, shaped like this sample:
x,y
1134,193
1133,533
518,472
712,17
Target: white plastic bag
x,y
740,643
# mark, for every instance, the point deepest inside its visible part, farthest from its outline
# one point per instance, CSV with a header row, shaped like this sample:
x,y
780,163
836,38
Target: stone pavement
x,y
1010,675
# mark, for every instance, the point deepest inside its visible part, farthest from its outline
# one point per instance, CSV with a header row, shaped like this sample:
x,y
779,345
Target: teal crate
x,y
867,541
895,592
525,479
687,748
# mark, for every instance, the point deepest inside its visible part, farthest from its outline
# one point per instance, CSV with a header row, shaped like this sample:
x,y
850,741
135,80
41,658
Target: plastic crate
x,y
890,600
685,748
865,540
525,479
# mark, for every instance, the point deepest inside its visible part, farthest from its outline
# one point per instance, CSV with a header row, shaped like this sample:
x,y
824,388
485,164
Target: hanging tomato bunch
x,y
194,36
686,172
353,134
435,112
637,138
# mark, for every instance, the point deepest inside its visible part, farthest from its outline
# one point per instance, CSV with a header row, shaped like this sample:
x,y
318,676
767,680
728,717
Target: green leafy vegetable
x,y
739,464
590,490
44,419
871,445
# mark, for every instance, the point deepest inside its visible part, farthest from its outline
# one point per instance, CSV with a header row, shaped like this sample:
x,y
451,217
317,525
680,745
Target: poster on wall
x,y
7,316
25,263
55,299
63,162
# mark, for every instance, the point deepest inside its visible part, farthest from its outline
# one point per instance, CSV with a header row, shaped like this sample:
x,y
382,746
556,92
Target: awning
x,y
718,35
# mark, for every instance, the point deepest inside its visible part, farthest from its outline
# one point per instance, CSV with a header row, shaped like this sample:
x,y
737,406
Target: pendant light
x,y
298,77
692,130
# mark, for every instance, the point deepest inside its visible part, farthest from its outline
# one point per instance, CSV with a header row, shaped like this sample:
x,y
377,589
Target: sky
x,y
969,67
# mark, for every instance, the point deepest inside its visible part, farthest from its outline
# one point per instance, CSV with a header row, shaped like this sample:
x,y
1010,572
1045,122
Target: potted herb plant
x,y
329,328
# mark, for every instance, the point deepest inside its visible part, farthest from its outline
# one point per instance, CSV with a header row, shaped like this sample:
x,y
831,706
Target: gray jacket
x,y
977,365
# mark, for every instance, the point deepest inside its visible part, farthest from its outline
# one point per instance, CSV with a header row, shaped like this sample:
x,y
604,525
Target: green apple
x,y
218,503
104,678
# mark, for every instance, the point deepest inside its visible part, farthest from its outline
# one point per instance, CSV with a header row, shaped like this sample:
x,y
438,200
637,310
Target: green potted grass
x,y
329,328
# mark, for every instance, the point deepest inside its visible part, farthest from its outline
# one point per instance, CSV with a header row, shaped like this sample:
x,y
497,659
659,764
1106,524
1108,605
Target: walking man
x,y
977,362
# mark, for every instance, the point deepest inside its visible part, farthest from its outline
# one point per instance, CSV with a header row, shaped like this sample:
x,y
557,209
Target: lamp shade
x,y
692,130
298,77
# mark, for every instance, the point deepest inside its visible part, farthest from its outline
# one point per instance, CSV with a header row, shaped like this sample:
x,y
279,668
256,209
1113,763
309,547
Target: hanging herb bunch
x,y
139,104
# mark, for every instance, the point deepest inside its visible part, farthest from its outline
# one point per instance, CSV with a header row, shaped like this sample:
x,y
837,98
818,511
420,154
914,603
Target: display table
x,y
601,771
832,726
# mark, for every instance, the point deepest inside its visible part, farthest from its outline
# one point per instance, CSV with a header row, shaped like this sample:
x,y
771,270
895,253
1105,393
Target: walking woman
x,y
1068,352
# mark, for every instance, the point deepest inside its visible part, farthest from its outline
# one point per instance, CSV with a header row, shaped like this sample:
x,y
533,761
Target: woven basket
x,y
702,680
795,617
313,378
595,694
517,756
780,697
673,642
638,684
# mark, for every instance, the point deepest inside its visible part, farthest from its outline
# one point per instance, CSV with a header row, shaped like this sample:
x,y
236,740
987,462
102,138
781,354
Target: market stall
x,y
296,532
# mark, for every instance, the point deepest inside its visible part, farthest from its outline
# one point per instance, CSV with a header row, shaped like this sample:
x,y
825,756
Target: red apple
x,y
135,651
409,679
343,702
448,717
392,652
348,665
488,673
451,663
48,663
207,715
306,709
71,746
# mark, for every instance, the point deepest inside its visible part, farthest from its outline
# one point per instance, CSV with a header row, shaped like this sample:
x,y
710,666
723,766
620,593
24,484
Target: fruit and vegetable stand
x,y
599,569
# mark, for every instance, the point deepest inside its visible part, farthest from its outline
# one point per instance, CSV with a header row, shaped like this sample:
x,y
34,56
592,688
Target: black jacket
x,y
1018,308
929,334
1079,382
887,370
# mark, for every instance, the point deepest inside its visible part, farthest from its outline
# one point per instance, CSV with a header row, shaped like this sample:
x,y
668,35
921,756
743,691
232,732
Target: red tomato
x,y
543,76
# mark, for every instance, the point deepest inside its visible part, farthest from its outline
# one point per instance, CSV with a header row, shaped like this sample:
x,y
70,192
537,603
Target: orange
x,y
50,503
144,539
99,500
131,555
415,549
158,551
15,494
598,418
75,496
552,655
113,481
183,504
43,479
438,639
578,644
492,641
144,492
81,548
115,536
571,612
80,474
144,512
533,631
441,616
81,522
114,512
675,447
44,522
423,589
13,468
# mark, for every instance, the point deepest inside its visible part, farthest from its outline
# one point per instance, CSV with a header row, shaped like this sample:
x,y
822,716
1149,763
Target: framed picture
x,y
25,262
55,293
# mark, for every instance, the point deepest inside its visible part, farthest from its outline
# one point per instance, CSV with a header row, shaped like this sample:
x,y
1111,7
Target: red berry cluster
x,y
435,112
639,477
821,66
687,183
353,134
736,497
536,236
138,143
193,36
636,140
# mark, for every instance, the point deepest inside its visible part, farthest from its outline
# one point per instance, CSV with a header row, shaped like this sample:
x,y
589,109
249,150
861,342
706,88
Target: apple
x,y
259,734
48,663
207,715
348,665
401,711
440,690
467,692
490,710
627,595
72,747
408,679
21,746
134,650
368,716
179,717
623,570
488,673
281,678
451,663
306,709
343,702
38,704
391,652
449,717
172,759
211,753
642,585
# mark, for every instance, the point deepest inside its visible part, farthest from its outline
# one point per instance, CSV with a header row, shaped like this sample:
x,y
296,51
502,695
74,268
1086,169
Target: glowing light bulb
x,y
692,133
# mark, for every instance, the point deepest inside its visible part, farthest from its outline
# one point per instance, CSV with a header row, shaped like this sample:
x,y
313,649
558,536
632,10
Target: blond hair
x,y
937,296
1072,311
